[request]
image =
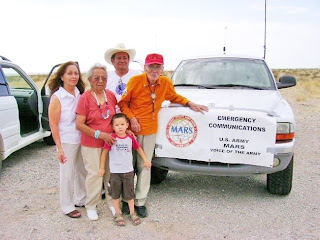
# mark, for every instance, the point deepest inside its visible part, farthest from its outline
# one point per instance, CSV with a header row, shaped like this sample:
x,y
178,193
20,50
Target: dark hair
x,y
55,81
119,115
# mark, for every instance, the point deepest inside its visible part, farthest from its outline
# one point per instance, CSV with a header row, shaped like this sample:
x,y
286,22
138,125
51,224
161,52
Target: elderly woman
x,y
66,86
95,110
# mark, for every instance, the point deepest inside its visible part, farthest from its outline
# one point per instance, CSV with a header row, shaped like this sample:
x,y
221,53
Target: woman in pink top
x,y
66,86
95,110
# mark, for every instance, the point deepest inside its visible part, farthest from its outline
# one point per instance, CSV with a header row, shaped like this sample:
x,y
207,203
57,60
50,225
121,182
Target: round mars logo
x,y
181,131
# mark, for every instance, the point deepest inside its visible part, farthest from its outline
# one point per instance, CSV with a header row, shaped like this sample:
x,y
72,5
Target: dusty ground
x,y
184,206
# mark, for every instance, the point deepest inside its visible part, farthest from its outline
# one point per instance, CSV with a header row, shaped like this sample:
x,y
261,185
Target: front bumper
x,y
220,169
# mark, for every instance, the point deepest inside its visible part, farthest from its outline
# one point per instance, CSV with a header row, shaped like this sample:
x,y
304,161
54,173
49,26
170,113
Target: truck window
x,y
4,91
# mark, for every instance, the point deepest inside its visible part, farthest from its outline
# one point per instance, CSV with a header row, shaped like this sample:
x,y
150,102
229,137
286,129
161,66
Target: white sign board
x,y
220,135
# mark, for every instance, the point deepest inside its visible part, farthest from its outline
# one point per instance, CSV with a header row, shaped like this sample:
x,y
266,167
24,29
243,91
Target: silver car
x,y
23,110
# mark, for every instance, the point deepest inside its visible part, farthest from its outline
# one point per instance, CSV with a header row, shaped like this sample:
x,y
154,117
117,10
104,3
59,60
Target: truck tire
x,y
49,140
280,183
158,175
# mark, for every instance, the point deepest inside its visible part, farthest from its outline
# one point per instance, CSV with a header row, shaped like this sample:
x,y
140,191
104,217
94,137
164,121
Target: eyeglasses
x,y
97,78
155,67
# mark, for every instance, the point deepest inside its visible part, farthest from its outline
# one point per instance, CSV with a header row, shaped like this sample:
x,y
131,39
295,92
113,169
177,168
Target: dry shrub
x,y
167,73
308,82
39,79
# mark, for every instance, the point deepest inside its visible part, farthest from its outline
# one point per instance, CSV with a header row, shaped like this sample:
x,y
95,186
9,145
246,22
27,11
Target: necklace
x,y
120,87
153,97
99,105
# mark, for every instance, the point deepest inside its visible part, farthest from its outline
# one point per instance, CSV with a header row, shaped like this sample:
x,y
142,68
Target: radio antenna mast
x,y
265,29
156,42
225,40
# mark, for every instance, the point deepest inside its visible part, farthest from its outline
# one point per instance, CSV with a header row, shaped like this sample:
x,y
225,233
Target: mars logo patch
x,y
181,131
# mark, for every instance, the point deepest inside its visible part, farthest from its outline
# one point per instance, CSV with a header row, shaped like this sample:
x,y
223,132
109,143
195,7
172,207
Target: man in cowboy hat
x,y
141,103
119,57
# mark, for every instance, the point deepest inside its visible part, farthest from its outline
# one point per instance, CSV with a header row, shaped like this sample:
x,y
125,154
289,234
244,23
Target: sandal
x,y
135,219
80,206
119,220
74,214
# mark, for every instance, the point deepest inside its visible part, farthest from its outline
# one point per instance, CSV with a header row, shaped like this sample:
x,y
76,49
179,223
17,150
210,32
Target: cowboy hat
x,y
120,47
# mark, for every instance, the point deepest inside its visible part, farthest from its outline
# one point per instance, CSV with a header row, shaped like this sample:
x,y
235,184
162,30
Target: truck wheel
x,y
281,182
158,175
49,140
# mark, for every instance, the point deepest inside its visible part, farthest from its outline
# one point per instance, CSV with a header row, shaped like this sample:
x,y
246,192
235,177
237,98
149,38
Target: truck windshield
x,y
224,72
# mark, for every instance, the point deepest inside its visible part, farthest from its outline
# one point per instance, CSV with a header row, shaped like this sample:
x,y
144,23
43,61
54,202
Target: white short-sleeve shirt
x,y
118,84
67,123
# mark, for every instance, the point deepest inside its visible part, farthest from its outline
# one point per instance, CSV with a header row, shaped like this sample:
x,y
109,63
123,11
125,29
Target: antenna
x,y
225,40
156,43
265,29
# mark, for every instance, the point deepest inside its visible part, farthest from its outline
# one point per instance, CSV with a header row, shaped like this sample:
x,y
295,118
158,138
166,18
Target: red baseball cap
x,y
154,58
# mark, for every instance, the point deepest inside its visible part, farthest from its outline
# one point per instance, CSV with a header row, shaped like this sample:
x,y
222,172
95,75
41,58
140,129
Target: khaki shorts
x,y
122,183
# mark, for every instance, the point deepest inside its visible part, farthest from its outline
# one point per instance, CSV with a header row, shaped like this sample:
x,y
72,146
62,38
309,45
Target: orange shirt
x,y
137,101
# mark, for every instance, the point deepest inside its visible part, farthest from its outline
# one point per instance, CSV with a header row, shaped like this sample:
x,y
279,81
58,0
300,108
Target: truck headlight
x,y
285,132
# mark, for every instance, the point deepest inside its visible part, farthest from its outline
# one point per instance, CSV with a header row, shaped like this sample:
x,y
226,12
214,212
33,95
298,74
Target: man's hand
x,y
135,126
198,107
147,164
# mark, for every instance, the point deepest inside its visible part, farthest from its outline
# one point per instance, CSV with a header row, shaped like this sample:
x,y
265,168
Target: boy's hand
x,y
101,172
147,164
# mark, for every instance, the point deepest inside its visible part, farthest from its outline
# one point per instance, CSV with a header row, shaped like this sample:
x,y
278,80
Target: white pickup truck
x,y
249,129
23,110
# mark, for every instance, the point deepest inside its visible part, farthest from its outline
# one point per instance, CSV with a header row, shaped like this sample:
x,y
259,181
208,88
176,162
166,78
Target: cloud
x,y
290,10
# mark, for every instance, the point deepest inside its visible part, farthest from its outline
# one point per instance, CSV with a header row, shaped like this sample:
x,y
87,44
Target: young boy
x,y
121,168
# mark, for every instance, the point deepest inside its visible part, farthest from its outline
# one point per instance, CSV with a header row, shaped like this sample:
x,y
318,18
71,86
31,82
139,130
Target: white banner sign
x,y
227,136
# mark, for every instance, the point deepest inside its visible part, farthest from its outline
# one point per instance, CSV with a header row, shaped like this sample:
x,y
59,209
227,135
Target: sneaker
x,y
92,215
103,194
113,211
125,208
141,211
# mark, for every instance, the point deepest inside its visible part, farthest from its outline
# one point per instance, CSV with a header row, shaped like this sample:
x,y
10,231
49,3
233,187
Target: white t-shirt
x,y
118,84
120,153
67,123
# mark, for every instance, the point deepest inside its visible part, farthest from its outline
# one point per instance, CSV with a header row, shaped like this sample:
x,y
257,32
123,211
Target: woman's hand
x,y
129,132
107,138
102,172
62,158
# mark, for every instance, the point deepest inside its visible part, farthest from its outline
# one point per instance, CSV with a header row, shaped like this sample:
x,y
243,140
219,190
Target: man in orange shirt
x,y
141,103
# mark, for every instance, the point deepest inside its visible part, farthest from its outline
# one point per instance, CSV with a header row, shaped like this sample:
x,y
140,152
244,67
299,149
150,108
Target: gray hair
x,y
96,66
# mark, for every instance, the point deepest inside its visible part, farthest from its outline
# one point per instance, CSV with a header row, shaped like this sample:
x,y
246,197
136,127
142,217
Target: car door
x,y
27,127
45,96
9,118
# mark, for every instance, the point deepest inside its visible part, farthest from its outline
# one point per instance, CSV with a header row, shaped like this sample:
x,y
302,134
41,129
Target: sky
x,y
38,34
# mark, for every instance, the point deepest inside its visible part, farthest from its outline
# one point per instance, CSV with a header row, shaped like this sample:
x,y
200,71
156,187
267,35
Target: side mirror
x,y
286,81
